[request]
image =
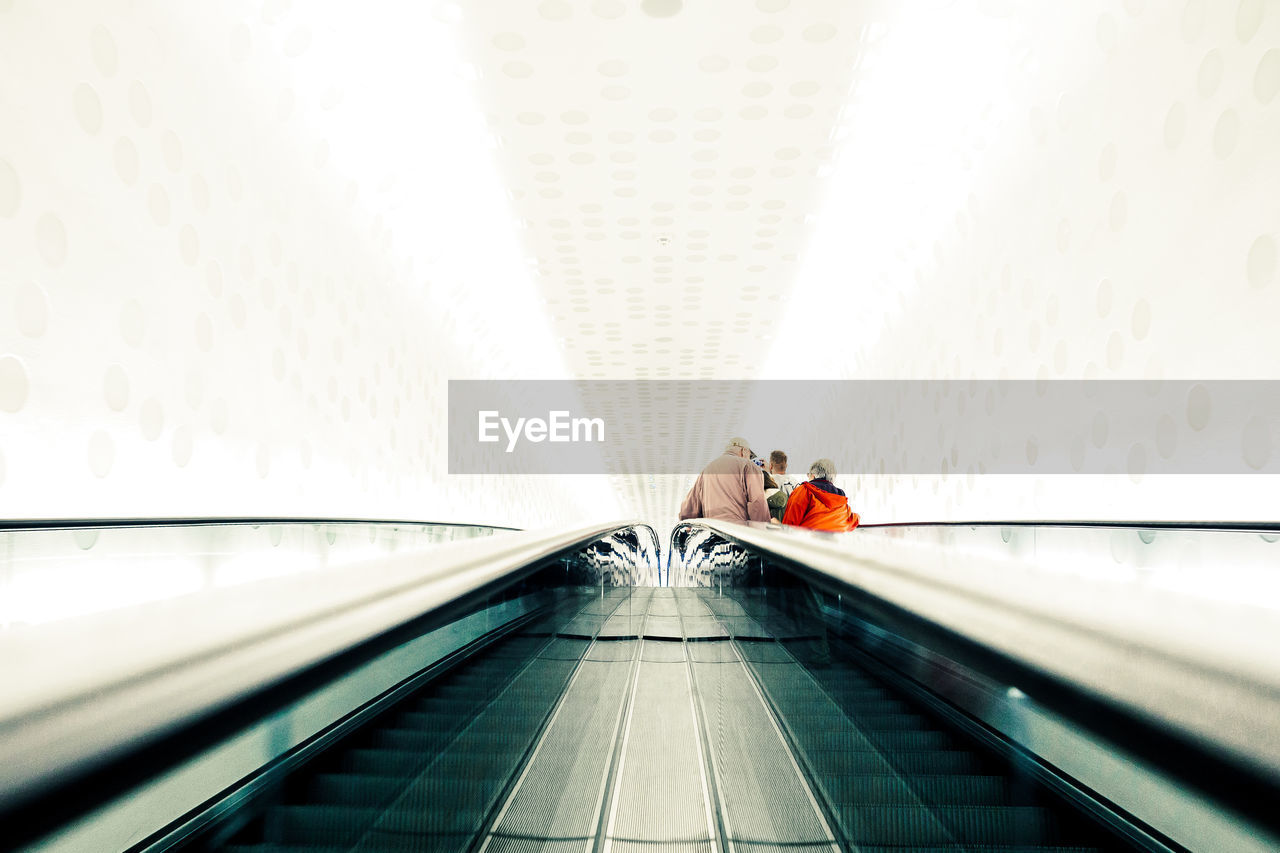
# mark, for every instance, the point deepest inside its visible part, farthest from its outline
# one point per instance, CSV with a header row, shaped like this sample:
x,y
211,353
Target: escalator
x,y
558,701
677,737
428,770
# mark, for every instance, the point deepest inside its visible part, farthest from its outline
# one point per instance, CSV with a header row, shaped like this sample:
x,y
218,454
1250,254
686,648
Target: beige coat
x,y
730,488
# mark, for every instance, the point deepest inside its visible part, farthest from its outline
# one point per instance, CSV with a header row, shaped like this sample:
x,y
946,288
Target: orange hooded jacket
x,y
815,509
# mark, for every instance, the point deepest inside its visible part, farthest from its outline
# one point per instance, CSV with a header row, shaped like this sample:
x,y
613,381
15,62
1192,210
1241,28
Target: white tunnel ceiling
x,y
247,242
666,171
664,167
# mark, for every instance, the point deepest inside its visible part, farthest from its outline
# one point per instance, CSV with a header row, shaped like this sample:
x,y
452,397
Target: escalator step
x,y
424,722
974,848
382,762
498,731
469,679
465,684
355,789
310,824
290,848
446,817
845,688
415,740
378,842
512,703
473,675
911,741
446,709
857,690
873,789
814,717
410,740
447,696
338,824
858,708
805,704
383,841
393,762
449,794
450,690
892,722
422,777
841,763
887,742
833,719
837,680
942,824
463,764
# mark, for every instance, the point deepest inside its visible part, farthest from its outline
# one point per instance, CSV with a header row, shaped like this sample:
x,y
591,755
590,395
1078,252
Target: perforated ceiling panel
x,y
664,161
978,189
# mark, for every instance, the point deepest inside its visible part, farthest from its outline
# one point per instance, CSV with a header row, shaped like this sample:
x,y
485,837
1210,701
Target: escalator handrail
x,y
90,691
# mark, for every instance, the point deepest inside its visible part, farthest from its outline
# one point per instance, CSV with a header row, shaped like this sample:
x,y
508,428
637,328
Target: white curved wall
x,y
245,244
1045,191
239,267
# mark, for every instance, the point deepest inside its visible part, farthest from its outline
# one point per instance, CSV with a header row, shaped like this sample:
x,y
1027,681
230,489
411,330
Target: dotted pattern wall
x,y
1103,208
246,243
204,308
663,158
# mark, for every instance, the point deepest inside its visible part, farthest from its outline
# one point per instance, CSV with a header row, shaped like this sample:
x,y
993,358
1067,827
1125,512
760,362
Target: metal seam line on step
x,y
621,756
613,778
702,755
610,770
606,777
657,676
724,832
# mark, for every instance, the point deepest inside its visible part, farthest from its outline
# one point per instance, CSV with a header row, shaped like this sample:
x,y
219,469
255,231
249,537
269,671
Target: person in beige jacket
x,y
731,488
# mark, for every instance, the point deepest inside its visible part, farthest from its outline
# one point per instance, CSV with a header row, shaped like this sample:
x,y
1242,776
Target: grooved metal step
x,y
891,778
881,789
915,825
558,795
722,730
426,776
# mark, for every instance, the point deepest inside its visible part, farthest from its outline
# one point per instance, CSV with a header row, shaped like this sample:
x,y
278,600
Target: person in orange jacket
x,y
819,504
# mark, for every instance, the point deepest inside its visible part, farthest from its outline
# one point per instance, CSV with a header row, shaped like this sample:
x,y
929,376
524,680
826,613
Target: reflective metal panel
x,y
699,556
626,557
